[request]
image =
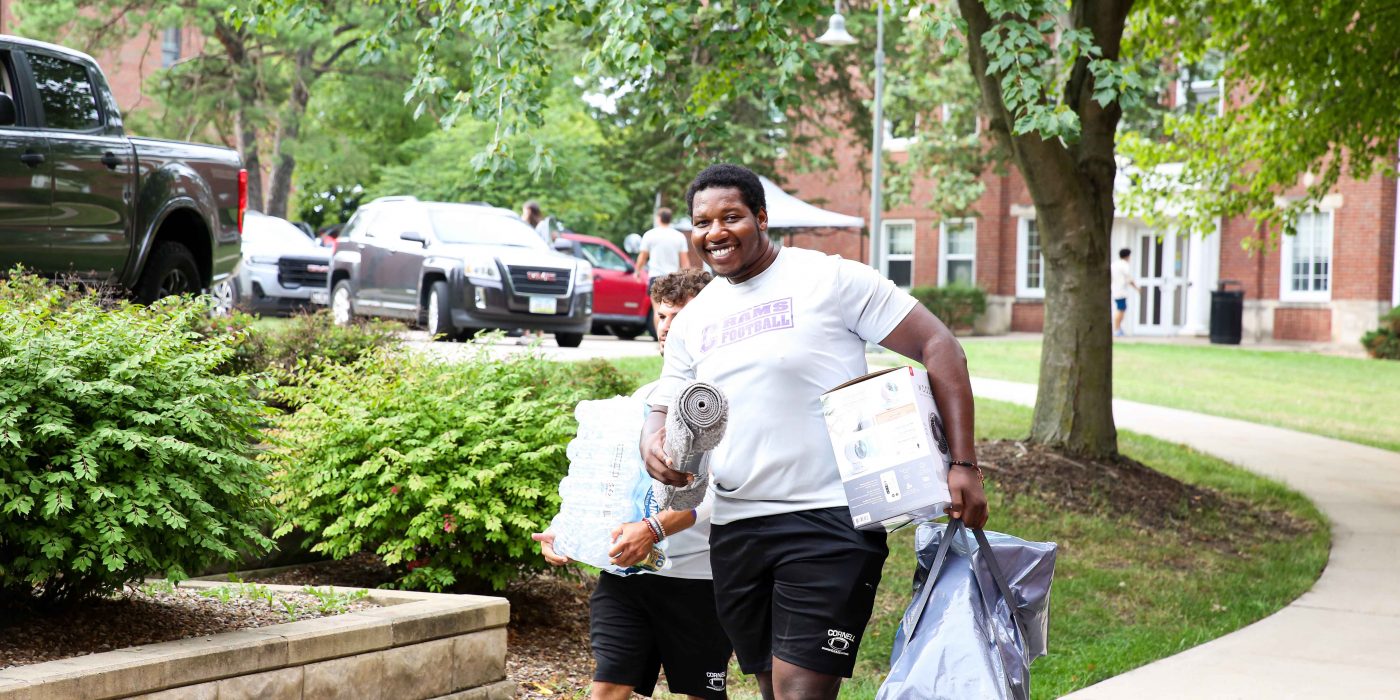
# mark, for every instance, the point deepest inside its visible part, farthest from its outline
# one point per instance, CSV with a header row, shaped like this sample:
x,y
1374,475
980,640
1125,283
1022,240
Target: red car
x,y
621,305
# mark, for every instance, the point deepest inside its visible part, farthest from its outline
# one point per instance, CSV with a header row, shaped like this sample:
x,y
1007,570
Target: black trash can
x,y
1227,313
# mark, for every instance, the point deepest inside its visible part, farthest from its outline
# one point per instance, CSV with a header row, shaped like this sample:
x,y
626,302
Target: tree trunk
x,y
280,189
1071,185
244,77
1074,406
248,149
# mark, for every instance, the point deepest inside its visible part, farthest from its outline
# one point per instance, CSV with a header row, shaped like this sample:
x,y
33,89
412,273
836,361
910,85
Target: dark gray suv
x,y
457,269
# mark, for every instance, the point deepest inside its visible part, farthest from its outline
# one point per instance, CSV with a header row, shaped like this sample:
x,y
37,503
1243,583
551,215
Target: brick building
x,y
127,66
1328,284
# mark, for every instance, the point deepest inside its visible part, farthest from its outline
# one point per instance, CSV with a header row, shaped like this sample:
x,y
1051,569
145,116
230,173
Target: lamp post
x,y
836,35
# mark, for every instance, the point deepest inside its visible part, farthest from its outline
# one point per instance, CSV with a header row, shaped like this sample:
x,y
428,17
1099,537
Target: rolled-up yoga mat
x,y
694,425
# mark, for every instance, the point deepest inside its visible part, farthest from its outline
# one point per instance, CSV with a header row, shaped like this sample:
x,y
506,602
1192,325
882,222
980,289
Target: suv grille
x,y
302,272
539,280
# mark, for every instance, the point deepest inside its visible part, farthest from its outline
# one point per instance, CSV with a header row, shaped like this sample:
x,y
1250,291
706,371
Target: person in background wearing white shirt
x,y
533,216
664,249
1122,273
795,581
639,623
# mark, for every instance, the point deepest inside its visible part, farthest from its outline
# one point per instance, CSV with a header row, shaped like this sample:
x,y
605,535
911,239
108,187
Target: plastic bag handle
x,y
1017,616
912,615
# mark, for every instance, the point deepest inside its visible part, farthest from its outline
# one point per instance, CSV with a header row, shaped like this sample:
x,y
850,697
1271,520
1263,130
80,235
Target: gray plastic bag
x,y
961,637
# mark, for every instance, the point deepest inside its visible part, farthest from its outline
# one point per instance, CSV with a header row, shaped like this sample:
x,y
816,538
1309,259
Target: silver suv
x,y
457,269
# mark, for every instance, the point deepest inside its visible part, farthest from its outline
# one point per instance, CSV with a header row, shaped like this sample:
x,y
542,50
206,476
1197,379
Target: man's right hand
x,y
546,540
659,464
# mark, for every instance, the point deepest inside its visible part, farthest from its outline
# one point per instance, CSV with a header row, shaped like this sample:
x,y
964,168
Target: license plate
x,y
321,298
543,305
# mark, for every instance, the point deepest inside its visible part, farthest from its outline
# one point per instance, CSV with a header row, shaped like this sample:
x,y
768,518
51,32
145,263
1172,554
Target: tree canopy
x,y
1311,91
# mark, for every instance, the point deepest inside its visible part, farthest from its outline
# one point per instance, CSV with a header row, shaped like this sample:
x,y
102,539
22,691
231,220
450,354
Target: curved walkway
x,y
1339,640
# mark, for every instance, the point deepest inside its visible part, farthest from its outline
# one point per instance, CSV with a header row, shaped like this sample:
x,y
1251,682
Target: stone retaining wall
x,y
417,646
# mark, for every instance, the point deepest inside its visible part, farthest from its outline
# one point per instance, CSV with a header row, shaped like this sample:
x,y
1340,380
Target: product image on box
x,y
890,447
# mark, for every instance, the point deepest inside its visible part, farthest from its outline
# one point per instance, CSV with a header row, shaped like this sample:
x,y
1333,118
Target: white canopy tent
x,y
787,211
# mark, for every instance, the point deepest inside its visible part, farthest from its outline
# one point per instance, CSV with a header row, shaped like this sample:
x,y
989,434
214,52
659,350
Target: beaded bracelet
x,y
970,465
655,533
659,526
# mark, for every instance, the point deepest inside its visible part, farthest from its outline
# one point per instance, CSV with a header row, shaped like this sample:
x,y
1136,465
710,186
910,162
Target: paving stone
x,y
333,637
418,671
189,661
435,619
284,684
350,678
198,691
504,690
479,658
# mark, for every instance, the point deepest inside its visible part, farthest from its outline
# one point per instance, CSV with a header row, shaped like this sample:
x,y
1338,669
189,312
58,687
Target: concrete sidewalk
x,y
1339,640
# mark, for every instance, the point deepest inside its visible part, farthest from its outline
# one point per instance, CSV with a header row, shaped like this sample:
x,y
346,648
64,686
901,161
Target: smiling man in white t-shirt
x,y
641,623
794,580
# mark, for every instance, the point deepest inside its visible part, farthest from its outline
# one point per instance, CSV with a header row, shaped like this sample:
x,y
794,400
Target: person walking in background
x,y
664,249
642,622
1122,280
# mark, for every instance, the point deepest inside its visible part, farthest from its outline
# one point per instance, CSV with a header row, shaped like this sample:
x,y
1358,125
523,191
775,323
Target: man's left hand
x,y
632,543
969,501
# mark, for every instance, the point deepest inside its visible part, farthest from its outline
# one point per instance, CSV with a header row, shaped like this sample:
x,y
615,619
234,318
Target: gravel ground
x,y
150,614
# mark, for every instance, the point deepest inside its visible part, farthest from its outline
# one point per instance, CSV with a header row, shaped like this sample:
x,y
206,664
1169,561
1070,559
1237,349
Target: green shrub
x,y
122,451
956,305
279,348
596,378
1384,342
441,469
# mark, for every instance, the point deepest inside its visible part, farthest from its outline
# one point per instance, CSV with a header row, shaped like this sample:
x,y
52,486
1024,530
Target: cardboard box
x,y
890,447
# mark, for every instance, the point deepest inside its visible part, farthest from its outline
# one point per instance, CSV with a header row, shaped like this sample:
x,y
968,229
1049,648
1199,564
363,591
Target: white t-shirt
x,y
1122,278
664,246
689,549
774,344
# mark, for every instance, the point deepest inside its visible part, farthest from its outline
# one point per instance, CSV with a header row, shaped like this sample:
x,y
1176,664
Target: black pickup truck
x,y
77,196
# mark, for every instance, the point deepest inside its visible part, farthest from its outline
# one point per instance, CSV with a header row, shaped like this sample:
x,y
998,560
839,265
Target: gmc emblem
x,y
318,268
541,276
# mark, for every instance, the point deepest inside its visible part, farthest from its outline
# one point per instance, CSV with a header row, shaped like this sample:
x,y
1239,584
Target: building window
x,y
962,118
1030,262
170,47
899,252
900,134
958,248
1307,259
1199,86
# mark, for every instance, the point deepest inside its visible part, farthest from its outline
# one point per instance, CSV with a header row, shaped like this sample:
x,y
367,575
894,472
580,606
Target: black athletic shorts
x,y
798,586
637,624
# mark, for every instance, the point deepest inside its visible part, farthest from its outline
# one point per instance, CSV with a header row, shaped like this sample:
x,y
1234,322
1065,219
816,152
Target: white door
x,y
1161,262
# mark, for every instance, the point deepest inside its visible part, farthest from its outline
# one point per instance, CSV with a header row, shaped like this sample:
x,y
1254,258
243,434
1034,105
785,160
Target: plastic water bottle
x,y
606,485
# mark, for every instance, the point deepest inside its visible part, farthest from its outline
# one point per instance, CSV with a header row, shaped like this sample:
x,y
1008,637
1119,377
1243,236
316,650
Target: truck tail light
x,y
242,197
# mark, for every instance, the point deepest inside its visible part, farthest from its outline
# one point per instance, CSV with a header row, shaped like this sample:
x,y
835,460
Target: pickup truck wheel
x,y
439,313
170,270
342,306
224,298
568,340
626,332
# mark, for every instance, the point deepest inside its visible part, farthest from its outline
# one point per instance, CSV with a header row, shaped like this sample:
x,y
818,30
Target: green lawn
x,y
1351,399
1123,595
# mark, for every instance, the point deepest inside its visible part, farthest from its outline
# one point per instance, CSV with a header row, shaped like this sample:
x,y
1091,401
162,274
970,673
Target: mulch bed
x,y
548,647
1122,487
143,616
